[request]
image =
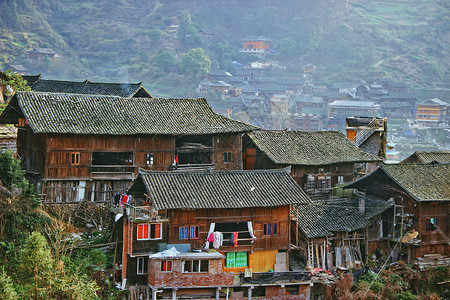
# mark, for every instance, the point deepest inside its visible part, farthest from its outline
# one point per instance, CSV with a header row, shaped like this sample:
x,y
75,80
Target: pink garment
x,y
211,237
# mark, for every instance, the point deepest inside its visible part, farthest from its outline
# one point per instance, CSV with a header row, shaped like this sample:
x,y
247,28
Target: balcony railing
x,y
112,169
269,277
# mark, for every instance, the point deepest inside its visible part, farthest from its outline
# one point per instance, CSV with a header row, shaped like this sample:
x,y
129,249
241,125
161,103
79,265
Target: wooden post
x,y
317,255
367,246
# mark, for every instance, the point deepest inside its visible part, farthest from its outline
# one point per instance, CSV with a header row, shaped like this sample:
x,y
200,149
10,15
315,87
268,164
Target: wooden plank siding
x,y
49,156
258,216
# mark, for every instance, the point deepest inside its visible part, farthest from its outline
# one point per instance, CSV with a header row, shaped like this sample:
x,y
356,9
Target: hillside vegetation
x,y
127,40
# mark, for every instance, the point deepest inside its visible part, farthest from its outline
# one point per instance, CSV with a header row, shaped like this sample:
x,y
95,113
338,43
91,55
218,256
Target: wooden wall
x,y
227,143
258,216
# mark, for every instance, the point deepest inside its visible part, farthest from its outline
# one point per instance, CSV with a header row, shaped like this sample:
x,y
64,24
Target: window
x,y
194,232
432,224
184,230
227,157
195,266
150,231
270,229
142,265
236,259
166,266
150,158
75,158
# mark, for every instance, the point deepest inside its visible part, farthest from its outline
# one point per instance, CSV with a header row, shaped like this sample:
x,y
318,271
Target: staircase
x,y
441,232
310,261
364,134
294,264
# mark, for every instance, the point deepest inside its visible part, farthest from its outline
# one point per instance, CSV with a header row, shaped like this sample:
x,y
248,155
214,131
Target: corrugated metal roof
x,y
220,189
91,114
309,147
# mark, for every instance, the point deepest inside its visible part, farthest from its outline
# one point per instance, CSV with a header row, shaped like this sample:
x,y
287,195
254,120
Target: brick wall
x,y
176,278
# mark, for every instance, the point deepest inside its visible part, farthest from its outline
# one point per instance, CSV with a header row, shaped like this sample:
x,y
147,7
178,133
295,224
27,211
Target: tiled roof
x,y
220,189
309,148
31,79
322,218
426,157
351,103
434,101
90,88
90,114
422,182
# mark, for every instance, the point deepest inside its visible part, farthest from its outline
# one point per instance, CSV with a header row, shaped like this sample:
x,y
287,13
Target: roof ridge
x,y
210,171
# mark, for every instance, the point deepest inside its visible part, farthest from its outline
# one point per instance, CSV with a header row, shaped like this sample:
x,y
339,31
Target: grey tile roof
x,y
91,114
309,147
422,182
31,79
89,88
426,157
351,103
220,189
434,101
324,218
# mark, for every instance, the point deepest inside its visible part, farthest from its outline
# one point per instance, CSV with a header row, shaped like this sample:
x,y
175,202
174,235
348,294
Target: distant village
x,y
200,205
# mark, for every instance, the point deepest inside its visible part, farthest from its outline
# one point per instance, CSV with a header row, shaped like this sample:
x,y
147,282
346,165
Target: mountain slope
x,y
120,39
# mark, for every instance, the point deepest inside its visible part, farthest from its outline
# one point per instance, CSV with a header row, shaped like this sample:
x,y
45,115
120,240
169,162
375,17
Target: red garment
x,y
235,239
125,199
211,237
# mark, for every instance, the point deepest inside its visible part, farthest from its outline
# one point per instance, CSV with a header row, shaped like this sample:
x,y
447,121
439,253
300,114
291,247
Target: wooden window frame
x,y
141,262
182,234
196,232
269,228
148,236
227,157
166,264
199,263
75,158
432,226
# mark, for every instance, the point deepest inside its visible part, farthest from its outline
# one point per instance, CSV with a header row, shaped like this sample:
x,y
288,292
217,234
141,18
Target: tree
x,y
36,261
287,46
165,60
195,63
13,80
7,291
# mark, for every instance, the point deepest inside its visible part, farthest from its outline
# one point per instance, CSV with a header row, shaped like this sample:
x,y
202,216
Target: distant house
x,y
398,104
319,159
396,87
243,216
245,75
38,54
308,121
19,69
88,147
258,46
344,88
432,113
219,75
428,157
136,90
422,197
330,97
279,103
206,87
301,102
206,35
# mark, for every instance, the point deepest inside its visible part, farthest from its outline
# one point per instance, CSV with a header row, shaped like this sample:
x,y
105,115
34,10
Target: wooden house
x,y
258,46
90,147
368,133
420,222
428,157
39,54
337,233
432,113
242,217
319,159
